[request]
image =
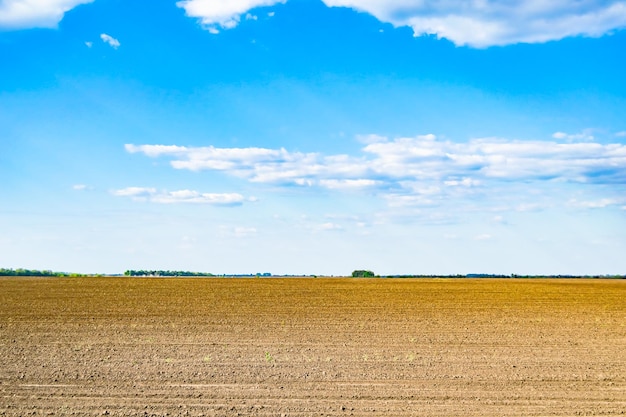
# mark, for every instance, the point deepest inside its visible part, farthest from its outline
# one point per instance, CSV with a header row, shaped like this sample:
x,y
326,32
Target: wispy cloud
x,y
224,14
348,184
244,231
134,192
20,14
114,43
329,227
401,163
595,204
181,196
237,231
585,136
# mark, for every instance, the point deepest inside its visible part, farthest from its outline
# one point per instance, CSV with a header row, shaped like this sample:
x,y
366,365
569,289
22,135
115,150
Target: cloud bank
x,y
403,162
180,196
25,14
487,23
478,24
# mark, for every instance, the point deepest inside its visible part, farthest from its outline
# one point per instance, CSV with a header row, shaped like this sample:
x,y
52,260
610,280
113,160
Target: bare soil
x,y
312,347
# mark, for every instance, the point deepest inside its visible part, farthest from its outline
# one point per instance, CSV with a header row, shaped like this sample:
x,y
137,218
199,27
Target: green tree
x,y
360,273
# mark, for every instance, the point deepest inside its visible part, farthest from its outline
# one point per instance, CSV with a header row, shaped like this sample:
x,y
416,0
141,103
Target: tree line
x,y
20,272
162,273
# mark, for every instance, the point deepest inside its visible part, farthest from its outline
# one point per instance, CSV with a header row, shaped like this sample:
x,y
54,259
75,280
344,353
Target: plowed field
x,y
312,347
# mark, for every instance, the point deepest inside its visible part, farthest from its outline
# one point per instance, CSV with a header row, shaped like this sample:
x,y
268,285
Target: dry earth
x,y
312,347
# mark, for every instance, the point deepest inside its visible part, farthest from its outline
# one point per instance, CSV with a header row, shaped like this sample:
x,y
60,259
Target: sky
x,y
313,136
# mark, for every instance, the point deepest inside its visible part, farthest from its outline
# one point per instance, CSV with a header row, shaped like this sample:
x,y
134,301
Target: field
x,y
312,347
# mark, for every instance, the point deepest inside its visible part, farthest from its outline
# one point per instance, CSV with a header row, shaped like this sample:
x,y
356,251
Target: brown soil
x,y
312,347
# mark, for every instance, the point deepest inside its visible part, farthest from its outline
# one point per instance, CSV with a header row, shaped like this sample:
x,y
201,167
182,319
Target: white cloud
x,y
584,136
155,150
480,23
89,44
605,202
349,184
485,23
418,171
484,236
244,231
134,192
181,196
464,182
408,159
408,200
621,134
225,14
25,14
329,226
189,196
114,43
237,232
79,187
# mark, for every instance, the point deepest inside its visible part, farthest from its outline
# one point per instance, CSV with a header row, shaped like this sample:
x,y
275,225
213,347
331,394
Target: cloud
x,y
134,192
621,134
463,182
419,171
181,196
188,196
400,200
481,23
329,226
605,202
237,232
584,136
244,231
484,236
487,23
403,160
224,14
79,187
114,43
335,184
26,14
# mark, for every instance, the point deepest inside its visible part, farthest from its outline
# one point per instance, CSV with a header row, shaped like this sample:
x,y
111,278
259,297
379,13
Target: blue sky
x,y
315,137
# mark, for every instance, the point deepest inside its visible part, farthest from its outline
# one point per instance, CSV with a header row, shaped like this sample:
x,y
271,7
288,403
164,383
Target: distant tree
x,y
360,273
21,272
161,273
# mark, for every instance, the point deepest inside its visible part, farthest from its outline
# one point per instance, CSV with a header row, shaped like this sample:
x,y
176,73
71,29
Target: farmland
x,y
312,346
